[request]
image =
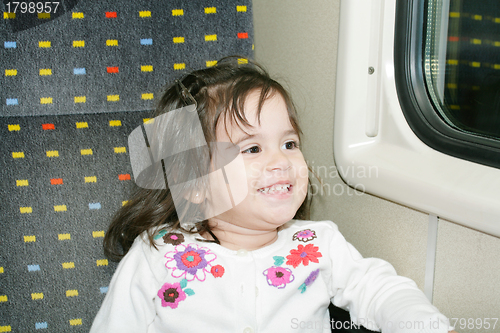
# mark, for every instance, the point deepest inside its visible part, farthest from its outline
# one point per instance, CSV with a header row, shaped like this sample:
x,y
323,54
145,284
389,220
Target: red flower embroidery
x,y
217,271
191,259
303,254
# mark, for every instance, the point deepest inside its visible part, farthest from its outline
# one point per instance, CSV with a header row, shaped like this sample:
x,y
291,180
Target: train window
x,y
418,105
452,58
463,70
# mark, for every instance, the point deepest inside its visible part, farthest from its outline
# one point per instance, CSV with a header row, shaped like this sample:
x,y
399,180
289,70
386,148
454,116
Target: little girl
x,y
253,266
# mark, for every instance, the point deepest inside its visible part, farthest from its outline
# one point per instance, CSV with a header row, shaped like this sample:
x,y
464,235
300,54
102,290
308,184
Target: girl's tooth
x,y
275,188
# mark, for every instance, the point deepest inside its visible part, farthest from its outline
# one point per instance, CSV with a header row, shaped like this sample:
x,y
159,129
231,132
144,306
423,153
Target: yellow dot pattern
x,y
76,141
471,58
98,234
116,46
64,236
148,44
73,89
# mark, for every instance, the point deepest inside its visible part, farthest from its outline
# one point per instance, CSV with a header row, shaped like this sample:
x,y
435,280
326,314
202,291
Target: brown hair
x,y
219,91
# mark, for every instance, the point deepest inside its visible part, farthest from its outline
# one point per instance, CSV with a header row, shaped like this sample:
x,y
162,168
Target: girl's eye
x,y
291,145
252,150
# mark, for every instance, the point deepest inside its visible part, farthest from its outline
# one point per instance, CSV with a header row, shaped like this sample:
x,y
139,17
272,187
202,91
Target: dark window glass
x,y
447,71
462,63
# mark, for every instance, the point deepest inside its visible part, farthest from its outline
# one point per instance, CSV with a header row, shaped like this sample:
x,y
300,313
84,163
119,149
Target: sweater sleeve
x,y
129,303
376,297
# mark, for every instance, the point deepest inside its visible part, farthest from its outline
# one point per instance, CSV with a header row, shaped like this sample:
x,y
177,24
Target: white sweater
x,y
190,286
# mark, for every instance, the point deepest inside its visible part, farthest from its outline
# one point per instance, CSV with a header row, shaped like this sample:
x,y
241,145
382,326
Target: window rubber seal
x,y
415,102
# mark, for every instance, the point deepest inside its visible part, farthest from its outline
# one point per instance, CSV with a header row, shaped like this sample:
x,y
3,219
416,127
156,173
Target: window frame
x,y
374,148
416,104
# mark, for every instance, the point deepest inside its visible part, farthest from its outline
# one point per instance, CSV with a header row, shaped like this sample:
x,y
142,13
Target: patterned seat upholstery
x,y
75,82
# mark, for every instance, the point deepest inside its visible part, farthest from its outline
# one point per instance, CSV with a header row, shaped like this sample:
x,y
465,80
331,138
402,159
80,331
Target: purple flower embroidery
x,y
304,235
171,294
278,277
190,261
310,279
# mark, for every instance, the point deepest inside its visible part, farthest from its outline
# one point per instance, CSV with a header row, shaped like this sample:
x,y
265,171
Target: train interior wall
x,y
297,42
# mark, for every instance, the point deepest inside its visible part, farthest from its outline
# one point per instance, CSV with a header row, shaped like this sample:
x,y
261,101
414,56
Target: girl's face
x,y
276,172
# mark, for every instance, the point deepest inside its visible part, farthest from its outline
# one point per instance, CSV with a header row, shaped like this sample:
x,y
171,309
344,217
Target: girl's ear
x,y
196,197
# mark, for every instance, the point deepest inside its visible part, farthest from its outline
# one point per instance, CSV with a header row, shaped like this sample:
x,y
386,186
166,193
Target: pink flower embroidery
x,y
303,254
304,235
171,294
173,238
278,277
190,261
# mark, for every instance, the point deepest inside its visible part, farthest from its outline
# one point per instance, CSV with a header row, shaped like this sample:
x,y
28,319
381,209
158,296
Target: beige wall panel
x,y
296,41
467,279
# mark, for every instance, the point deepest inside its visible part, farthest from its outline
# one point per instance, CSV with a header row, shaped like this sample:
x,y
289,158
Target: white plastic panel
x,y
375,149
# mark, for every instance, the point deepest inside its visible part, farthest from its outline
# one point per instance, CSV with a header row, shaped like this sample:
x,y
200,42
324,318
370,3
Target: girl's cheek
x,y
254,170
304,171
253,184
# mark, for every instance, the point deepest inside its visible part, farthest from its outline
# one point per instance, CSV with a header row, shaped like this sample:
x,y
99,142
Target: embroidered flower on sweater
x,y
172,293
310,279
278,277
173,238
217,271
304,235
303,254
190,261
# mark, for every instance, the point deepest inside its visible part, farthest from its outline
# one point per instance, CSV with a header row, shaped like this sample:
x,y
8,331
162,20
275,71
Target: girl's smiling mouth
x,y
278,188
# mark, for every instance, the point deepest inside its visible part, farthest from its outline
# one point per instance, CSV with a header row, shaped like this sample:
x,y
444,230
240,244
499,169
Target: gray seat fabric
x,y
74,84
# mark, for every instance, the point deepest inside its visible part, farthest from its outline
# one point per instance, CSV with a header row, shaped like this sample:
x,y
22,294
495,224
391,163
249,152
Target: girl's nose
x,y
278,161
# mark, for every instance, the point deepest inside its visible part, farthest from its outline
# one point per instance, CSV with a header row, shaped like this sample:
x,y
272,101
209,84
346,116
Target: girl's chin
x,y
278,219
